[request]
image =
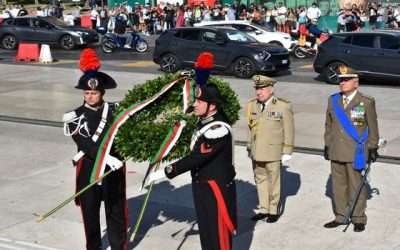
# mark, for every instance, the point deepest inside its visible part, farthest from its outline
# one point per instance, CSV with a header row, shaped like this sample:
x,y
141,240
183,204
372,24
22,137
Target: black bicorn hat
x,y
209,93
96,80
92,79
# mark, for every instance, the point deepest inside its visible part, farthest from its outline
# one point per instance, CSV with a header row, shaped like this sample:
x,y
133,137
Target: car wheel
x,y
67,42
299,53
141,46
9,42
169,63
330,72
107,46
243,67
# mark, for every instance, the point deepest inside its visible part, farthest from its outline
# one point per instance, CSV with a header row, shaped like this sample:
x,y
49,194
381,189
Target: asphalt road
x,y
130,61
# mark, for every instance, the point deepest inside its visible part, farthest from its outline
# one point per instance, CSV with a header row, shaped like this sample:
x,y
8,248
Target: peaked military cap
x,y
347,72
261,81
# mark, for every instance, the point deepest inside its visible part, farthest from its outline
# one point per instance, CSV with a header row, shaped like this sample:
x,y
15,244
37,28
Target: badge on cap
x,y
93,83
343,69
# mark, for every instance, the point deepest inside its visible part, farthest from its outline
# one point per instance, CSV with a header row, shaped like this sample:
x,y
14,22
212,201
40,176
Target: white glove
x,y
286,158
156,175
113,162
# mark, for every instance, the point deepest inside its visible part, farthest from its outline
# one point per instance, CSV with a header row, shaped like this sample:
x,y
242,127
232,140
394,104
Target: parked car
x,y
234,51
260,33
375,53
49,30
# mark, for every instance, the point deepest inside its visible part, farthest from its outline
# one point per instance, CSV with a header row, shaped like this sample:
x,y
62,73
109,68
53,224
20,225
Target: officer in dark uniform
x,y
87,125
211,165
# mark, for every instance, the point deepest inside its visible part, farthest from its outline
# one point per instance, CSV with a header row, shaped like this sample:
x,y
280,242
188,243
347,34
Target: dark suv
x,y
47,30
375,53
234,51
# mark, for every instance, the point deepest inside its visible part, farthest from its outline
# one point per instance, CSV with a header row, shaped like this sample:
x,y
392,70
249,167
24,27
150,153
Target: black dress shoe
x,y
259,216
332,224
359,227
272,218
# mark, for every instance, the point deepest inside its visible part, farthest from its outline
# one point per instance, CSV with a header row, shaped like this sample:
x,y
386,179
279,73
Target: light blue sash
x,y
351,131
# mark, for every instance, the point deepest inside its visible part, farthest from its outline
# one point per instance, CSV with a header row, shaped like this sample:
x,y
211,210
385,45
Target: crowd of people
x,y
375,14
154,19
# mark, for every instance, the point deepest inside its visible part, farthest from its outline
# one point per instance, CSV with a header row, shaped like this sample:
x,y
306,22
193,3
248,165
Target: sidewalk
x,y
34,181
47,92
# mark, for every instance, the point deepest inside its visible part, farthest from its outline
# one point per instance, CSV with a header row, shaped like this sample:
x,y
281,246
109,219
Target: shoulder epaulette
x,y
69,116
252,100
282,100
216,131
368,97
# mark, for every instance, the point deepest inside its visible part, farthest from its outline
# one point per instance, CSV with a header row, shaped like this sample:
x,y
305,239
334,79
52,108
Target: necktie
x,y
262,107
345,102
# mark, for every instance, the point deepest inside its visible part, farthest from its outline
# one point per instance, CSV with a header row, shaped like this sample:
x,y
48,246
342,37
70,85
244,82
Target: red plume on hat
x,y
89,60
203,66
205,61
92,79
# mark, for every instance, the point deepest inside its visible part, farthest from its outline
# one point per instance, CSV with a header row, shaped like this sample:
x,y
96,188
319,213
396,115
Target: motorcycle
x,y
111,42
301,52
305,50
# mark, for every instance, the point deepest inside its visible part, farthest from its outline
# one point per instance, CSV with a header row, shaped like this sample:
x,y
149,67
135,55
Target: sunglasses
x,y
345,79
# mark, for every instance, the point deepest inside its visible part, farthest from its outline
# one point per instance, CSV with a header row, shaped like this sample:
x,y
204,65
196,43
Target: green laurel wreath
x,y
142,134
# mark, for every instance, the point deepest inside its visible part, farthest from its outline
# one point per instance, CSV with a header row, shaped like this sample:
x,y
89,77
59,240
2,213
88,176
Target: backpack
x,y
119,25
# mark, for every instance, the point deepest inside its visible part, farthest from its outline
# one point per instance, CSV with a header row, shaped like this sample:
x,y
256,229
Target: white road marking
x,y
21,245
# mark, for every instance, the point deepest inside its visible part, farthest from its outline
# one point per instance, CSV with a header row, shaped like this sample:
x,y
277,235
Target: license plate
x,y
284,61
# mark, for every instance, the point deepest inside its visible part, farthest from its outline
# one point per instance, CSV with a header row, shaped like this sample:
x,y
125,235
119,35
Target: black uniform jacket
x,y
84,142
211,156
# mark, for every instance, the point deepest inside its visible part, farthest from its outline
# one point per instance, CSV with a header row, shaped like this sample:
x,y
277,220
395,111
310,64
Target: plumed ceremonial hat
x,y
203,66
261,81
209,93
347,72
92,79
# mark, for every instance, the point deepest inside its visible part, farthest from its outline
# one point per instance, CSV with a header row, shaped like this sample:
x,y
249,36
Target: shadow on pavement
x,y
290,186
168,203
329,191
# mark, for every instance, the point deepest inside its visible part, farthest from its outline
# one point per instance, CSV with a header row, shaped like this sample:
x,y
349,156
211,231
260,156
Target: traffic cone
x,y
28,52
45,54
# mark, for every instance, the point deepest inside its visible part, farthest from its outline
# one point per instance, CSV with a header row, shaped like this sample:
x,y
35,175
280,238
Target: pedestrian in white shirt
x,y
313,12
281,17
94,14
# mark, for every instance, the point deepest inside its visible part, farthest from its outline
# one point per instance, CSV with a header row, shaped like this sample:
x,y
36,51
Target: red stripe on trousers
x,y
225,225
125,247
78,171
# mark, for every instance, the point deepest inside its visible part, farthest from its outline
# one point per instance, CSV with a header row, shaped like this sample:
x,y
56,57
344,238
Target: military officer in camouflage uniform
x,y
350,110
271,124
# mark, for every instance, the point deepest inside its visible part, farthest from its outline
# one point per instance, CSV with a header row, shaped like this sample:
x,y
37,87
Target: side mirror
x,y
258,32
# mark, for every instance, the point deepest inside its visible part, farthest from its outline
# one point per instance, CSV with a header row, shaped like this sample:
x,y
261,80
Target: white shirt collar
x,y
350,97
267,102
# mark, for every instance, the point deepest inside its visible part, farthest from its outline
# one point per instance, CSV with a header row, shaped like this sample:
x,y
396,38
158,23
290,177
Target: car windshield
x,y
238,36
57,22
